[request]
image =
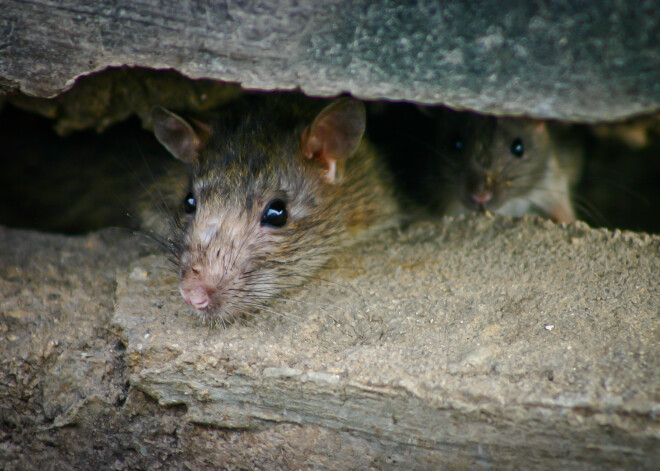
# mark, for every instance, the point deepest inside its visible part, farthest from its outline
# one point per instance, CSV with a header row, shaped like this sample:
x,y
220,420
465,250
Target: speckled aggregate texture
x,y
580,61
479,342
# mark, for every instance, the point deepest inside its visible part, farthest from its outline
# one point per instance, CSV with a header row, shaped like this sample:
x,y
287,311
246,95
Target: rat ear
x,y
541,133
178,136
335,134
540,126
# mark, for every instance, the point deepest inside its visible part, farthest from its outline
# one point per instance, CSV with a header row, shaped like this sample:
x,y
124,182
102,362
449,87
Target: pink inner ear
x,y
539,126
335,134
176,135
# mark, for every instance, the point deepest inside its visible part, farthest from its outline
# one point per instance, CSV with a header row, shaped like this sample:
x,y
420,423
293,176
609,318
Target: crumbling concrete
x,y
482,342
588,62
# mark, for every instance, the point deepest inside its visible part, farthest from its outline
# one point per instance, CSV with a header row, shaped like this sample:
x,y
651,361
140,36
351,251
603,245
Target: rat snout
x,y
194,290
197,297
478,189
482,196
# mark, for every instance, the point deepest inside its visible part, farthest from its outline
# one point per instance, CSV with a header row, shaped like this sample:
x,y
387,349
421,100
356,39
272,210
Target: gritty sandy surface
x,y
476,342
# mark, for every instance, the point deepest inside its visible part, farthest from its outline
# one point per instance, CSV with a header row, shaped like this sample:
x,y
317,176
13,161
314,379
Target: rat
x,y
511,166
275,185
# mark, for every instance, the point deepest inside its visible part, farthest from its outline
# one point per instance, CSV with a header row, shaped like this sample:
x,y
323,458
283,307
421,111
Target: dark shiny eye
x,y
456,143
517,148
275,214
189,203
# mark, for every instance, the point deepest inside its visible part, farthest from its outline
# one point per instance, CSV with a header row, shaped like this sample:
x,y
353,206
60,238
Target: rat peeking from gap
x,y
511,166
276,184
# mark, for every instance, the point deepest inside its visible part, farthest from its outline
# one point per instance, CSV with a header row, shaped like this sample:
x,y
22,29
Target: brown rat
x,y
512,166
276,185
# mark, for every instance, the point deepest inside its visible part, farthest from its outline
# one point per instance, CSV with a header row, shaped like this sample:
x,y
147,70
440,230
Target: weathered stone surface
x,y
100,100
472,343
585,61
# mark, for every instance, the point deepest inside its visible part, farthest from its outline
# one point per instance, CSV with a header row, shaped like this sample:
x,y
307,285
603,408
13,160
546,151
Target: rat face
x,y
261,213
243,234
493,161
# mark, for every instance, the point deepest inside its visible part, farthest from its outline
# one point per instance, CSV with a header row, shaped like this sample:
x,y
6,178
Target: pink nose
x,y
196,297
482,197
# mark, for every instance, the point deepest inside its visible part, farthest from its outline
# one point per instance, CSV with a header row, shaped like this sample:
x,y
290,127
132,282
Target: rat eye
x,y
275,214
456,143
189,203
517,148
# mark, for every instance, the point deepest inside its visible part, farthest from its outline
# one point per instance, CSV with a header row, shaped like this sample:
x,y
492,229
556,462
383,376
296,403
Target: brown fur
x,y
255,154
538,183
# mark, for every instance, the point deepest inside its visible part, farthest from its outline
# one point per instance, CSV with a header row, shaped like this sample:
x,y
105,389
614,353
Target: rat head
x,y
493,160
261,213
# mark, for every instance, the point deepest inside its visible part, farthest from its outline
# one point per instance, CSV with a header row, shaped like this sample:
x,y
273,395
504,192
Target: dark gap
x,y
74,184
87,181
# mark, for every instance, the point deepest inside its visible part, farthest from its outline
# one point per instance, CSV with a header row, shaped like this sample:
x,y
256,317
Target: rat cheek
x,y
298,212
208,233
185,262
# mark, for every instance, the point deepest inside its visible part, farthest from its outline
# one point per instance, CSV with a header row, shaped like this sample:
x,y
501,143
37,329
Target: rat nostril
x,y
200,303
196,297
482,196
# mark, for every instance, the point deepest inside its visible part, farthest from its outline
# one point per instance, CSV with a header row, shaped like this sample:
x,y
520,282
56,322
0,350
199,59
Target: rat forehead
x,y
249,155
483,126
518,127
501,133
236,186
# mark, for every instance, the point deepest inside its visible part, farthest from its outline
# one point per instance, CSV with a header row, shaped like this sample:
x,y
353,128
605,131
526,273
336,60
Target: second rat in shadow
x,y
512,166
453,163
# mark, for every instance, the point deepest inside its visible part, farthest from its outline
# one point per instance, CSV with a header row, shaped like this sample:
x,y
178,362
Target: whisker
x,y
622,187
